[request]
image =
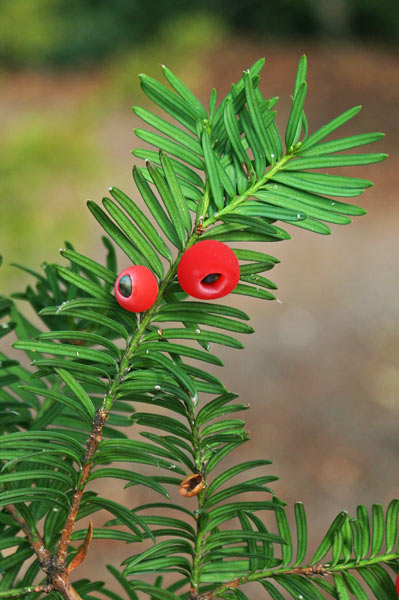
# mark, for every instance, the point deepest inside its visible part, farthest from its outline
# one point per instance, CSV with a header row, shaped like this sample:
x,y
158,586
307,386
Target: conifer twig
x,y
92,445
17,593
55,566
34,537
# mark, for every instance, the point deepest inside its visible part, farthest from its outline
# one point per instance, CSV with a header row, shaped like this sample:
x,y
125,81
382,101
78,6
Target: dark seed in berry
x,y
125,286
211,278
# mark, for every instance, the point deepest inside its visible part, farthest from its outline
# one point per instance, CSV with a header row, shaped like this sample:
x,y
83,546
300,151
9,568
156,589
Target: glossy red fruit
x,y
136,288
397,583
208,270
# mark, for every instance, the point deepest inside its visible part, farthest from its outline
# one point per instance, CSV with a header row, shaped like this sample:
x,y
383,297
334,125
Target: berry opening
x,y
211,278
208,270
125,286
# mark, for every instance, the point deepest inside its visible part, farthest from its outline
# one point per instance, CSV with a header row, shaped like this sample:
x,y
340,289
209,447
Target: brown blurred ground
x,y
321,370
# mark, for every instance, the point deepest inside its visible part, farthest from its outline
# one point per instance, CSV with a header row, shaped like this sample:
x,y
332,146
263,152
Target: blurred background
x,y
321,370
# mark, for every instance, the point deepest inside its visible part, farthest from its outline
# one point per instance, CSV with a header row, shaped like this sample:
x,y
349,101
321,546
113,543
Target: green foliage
x,y
49,153
40,153
90,357
39,32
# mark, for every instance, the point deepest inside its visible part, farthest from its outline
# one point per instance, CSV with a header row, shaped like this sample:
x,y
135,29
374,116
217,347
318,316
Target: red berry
x,y
208,270
397,583
136,288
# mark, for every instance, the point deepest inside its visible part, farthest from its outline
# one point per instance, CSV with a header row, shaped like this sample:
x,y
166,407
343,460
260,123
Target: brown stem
x,y
56,573
63,585
55,566
193,595
318,570
309,571
35,539
92,445
17,593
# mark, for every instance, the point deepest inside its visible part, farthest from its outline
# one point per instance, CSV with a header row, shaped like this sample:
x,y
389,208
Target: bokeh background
x,y
321,370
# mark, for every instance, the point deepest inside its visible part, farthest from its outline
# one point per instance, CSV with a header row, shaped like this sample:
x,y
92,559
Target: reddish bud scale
x,y
191,485
208,270
136,288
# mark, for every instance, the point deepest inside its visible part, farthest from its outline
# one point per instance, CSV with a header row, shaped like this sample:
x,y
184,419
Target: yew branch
x,y
34,537
55,566
17,593
92,445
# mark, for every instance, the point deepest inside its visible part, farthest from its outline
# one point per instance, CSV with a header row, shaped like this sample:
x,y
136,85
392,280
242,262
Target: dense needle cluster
x,y
111,358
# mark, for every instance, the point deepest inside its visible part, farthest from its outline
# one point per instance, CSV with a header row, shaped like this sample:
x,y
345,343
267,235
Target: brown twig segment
x,y
17,593
63,585
319,570
55,566
193,595
92,445
34,538
199,229
57,573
